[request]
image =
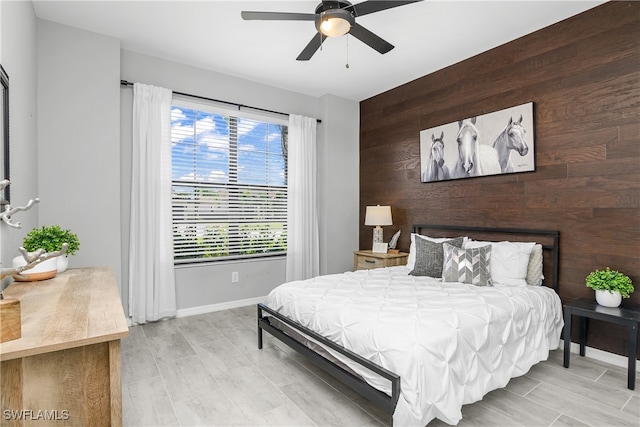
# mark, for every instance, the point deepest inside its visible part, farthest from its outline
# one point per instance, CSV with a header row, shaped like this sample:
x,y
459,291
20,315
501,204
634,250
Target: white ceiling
x,y
427,36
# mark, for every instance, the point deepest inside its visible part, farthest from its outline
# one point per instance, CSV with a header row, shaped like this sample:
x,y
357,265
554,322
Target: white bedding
x,y
451,343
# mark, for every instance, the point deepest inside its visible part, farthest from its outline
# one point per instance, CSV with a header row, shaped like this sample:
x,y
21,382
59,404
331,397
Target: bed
x,y
420,347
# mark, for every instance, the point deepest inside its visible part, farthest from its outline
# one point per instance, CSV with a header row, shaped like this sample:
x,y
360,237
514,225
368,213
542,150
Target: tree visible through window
x,y
229,189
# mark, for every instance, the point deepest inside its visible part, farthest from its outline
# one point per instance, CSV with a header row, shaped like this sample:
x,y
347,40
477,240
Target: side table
x,y
585,309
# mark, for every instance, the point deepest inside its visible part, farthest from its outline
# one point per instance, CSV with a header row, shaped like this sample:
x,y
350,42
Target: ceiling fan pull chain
x,y
347,66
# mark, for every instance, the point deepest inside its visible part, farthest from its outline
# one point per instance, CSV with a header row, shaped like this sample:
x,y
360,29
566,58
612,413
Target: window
x,y
229,192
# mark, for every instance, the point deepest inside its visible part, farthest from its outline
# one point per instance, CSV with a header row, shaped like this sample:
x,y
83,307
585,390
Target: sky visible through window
x,y
204,149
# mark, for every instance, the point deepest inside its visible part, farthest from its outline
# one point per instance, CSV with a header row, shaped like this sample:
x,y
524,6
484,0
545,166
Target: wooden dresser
x,y
65,369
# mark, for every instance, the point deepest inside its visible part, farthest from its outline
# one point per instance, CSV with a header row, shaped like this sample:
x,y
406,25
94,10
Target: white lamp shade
x,y
378,215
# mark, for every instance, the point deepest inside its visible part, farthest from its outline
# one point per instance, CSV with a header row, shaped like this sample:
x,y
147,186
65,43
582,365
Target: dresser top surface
x,y
78,307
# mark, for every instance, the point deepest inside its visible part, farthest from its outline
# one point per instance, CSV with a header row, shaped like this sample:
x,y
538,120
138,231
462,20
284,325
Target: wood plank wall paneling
x,y
583,75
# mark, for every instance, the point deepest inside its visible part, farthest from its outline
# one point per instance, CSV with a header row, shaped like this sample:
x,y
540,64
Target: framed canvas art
x,y
491,144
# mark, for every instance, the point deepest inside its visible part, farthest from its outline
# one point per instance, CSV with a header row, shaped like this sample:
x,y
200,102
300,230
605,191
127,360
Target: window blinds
x,y
229,193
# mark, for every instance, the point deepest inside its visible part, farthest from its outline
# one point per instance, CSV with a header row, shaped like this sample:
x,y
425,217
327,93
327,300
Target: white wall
x,y
18,57
79,139
77,155
339,148
338,184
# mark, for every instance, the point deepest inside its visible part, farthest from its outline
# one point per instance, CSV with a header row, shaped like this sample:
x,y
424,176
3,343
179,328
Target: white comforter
x,y
450,343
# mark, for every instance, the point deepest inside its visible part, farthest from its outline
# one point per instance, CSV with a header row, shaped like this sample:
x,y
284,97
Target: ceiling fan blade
x,y
312,47
368,38
371,6
277,16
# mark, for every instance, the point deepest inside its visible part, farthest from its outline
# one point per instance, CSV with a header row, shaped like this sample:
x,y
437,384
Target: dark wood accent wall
x,y
583,75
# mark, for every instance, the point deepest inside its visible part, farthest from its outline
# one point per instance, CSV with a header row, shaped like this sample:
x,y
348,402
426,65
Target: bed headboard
x,y
549,239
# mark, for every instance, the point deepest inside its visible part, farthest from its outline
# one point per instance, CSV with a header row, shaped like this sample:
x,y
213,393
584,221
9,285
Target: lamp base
x,y
377,235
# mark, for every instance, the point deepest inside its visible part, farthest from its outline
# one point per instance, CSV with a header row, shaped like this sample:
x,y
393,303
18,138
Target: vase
x,y
62,262
609,298
45,270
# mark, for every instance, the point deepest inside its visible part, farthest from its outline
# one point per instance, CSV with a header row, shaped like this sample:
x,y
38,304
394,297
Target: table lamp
x,y
378,216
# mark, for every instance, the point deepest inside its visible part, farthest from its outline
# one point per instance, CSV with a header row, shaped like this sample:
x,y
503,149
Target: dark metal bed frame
x,y
382,400
521,234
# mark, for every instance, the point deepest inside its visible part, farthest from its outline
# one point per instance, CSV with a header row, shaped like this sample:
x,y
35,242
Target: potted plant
x,y
50,238
610,286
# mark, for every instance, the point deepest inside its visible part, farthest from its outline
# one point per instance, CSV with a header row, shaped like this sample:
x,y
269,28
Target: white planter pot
x,y
609,298
62,262
45,270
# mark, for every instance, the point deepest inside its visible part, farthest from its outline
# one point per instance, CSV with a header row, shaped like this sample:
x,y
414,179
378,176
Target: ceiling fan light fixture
x,y
334,18
335,23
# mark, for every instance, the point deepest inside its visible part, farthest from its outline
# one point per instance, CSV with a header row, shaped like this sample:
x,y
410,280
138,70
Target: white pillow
x,y
411,259
509,261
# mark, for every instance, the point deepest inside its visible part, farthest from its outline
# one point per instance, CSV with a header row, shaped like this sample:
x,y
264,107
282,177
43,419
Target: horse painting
x,y
474,159
436,170
511,138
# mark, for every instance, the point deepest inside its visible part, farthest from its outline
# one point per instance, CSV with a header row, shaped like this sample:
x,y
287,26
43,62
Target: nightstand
x,y
585,309
364,260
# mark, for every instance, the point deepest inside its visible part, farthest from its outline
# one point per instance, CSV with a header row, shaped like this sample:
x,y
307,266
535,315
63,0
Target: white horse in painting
x,y
436,170
474,159
511,138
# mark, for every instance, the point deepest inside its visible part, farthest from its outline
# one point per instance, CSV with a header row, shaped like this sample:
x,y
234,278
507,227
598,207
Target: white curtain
x,y
152,293
302,217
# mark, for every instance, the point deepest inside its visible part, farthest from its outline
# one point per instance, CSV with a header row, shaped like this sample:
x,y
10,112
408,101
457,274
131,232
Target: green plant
x,y
610,280
50,238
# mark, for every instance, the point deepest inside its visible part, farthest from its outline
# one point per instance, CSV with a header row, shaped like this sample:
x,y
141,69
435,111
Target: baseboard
x,y
202,309
601,355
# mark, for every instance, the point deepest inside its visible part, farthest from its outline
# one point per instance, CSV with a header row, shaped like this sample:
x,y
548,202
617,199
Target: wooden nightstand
x,y
364,260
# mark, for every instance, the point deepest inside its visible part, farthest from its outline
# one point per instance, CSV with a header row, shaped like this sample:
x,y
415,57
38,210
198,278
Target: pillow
x,y
534,269
429,256
467,265
509,261
411,259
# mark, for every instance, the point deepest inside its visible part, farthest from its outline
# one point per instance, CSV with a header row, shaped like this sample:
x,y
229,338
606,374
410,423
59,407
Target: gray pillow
x,y
430,256
467,265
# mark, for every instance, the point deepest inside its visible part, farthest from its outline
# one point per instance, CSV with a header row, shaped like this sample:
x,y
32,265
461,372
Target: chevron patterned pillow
x,y
467,265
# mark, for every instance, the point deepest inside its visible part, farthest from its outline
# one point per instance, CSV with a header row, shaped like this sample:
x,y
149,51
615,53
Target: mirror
x,y
4,152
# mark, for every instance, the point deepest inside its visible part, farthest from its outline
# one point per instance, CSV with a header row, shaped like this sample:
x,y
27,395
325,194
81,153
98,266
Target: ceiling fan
x,y
334,19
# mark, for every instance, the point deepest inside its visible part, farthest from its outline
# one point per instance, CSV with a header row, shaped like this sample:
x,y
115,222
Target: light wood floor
x,y
207,370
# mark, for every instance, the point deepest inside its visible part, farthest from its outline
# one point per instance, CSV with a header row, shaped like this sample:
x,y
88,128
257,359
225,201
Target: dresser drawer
x,y
365,262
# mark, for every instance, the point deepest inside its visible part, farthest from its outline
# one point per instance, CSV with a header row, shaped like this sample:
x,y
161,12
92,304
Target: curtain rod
x,y
127,83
